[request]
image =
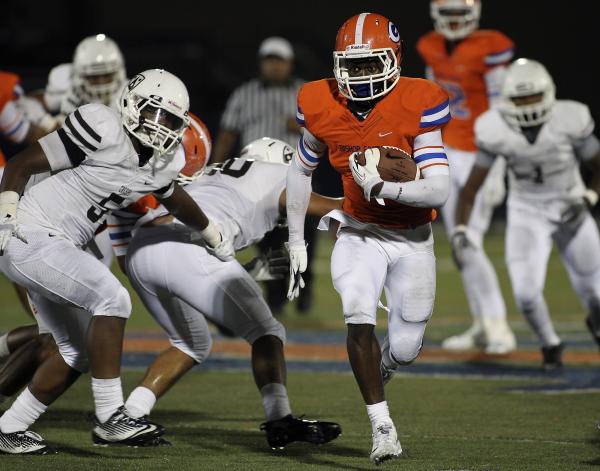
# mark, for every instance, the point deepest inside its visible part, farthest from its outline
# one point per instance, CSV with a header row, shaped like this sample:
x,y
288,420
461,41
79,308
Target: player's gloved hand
x,y
590,198
298,264
274,265
217,244
9,201
459,240
366,176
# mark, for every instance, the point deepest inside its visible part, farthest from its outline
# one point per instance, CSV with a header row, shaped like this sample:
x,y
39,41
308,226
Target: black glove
x,y
274,265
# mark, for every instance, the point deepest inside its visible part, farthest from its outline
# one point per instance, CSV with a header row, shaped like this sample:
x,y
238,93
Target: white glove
x,y
217,244
366,175
298,264
9,201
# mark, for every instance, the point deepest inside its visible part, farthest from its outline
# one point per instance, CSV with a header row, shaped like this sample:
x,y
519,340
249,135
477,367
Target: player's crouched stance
x,y
102,162
543,140
385,240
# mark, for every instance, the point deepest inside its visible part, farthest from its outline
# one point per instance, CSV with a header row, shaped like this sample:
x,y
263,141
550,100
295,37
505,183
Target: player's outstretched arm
x,y
28,162
183,207
318,205
593,191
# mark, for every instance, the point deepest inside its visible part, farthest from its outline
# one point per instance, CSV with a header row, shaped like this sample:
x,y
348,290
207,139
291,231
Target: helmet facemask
x,y
455,19
153,125
100,86
528,110
366,74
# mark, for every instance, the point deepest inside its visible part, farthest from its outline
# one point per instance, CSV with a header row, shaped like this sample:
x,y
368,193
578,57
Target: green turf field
x,y
444,422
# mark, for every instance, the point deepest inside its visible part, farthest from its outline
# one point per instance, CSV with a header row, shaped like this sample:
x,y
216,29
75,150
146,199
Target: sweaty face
x,y
528,100
162,117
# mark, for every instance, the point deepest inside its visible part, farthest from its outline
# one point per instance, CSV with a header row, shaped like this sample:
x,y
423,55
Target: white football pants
x,y
479,277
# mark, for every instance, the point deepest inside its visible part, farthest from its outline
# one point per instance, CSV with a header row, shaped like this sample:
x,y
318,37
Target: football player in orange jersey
x,y
470,64
385,240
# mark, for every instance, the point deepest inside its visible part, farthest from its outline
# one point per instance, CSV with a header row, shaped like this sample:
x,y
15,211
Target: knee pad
x,y
527,301
74,356
270,326
199,353
404,351
118,305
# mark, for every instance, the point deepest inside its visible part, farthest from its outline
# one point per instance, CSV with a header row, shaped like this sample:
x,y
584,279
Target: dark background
x,y
212,45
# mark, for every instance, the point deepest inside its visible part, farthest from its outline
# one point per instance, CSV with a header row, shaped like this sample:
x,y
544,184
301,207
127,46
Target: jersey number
x,y
231,168
94,214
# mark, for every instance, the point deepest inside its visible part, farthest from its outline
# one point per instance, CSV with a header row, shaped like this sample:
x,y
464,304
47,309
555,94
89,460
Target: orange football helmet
x,y
367,56
197,145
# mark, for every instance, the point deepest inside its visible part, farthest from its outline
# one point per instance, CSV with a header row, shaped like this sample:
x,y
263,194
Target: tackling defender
x,y
470,64
104,162
182,285
389,246
543,141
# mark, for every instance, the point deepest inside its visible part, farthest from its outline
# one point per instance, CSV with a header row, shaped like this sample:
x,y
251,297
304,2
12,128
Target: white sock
x,y
108,397
4,351
275,401
24,412
378,413
140,402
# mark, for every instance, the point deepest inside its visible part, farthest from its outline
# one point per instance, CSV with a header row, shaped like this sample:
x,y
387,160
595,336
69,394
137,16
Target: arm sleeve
x,y
86,130
309,150
14,125
433,187
587,148
298,189
493,83
120,226
231,119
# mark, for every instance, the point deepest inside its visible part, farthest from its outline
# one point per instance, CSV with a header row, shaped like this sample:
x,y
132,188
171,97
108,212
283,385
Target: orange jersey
x,y
8,83
413,107
462,74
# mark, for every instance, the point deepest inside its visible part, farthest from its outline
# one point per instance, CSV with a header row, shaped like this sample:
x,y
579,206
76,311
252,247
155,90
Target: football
x,y
395,165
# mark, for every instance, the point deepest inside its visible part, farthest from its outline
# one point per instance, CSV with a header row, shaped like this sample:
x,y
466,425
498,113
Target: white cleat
x,y
500,339
386,445
473,337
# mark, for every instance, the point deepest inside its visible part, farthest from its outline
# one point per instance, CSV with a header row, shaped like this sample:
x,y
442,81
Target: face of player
x,y
454,16
528,100
162,117
100,79
364,67
275,70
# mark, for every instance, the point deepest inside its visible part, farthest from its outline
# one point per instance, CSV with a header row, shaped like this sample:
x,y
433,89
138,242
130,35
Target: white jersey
x,y
60,96
240,195
544,173
99,171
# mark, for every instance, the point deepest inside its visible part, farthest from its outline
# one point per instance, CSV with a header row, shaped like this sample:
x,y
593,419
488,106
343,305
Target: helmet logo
x,y
393,32
135,81
288,153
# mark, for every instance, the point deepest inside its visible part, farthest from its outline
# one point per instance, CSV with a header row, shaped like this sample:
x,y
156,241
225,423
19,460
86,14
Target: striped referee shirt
x,y
256,110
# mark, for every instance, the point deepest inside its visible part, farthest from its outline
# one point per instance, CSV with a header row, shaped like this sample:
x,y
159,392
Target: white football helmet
x,y
98,70
154,107
455,19
527,78
268,150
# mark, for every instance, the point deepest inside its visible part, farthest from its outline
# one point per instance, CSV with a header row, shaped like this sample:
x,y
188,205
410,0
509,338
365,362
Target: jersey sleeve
x,y
487,136
310,148
436,112
500,50
576,118
87,130
14,125
59,83
430,155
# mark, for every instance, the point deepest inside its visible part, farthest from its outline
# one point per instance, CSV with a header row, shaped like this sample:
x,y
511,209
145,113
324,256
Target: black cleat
x,y
296,429
122,429
24,443
593,324
553,357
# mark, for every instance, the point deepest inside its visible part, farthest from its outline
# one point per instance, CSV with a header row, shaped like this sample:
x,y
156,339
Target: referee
x,y
266,106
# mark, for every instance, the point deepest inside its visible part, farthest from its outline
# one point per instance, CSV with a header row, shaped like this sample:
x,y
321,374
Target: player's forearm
x,y
320,205
466,200
223,146
429,192
28,162
183,207
297,200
